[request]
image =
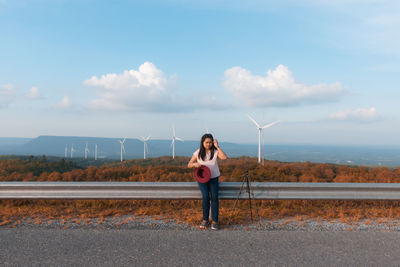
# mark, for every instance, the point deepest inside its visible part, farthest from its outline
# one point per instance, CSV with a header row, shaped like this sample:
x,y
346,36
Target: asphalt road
x,y
83,247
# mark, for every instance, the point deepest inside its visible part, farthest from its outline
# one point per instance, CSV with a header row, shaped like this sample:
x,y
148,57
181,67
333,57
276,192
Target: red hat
x,y
202,174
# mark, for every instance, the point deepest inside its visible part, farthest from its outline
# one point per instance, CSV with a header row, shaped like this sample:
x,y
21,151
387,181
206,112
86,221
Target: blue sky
x,y
328,71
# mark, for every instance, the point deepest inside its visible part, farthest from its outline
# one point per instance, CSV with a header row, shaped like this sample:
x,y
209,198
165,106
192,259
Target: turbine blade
x,y
269,125
180,139
254,121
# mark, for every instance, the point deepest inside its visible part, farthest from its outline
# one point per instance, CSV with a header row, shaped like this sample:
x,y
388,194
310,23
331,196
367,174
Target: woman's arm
x,y
193,162
221,153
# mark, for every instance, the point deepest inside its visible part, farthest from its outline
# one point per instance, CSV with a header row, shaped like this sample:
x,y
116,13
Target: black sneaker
x,y
204,224
214,226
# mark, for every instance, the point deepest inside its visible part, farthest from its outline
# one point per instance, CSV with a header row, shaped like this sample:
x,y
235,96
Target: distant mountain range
x,y
110,148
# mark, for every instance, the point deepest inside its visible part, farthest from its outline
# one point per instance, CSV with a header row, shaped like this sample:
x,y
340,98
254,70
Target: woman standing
x,y
207,155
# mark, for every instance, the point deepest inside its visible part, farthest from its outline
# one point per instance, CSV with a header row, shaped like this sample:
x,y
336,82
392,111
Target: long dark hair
x,y
202,151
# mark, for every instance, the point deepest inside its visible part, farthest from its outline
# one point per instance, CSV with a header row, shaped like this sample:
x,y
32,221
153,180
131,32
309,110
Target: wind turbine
x,y
122,142
66,151
145,147
86,151
72,151
259,128
173,141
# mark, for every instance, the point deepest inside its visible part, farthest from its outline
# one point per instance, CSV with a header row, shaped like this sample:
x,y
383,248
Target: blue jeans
x,y
209,191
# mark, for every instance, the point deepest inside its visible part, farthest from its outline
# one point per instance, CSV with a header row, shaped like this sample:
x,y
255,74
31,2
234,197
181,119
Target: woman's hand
x,y
193,163
196,165
216,143
221,154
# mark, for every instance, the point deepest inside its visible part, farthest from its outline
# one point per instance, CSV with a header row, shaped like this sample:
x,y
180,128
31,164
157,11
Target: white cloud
x,y
148,89
144,89
64,103
340,3
7,93
7,89
384,20
359,114
33,93
277,88
371,26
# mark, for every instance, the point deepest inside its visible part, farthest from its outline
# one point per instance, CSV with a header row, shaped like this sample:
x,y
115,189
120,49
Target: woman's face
x,y
207,143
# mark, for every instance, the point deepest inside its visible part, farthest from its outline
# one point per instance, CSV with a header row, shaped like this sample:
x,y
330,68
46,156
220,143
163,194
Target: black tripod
x,y
249,190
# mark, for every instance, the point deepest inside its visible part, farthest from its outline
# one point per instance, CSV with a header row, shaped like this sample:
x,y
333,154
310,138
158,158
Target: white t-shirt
x,y
212,164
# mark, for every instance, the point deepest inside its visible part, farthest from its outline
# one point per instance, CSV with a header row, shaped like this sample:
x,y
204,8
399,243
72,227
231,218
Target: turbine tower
x,y
86,151
95,152
122,142
72,151
173,141
259,128
66,151
145,145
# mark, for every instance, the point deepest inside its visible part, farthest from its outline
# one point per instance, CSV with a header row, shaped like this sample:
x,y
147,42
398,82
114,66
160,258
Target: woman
x,y
207,155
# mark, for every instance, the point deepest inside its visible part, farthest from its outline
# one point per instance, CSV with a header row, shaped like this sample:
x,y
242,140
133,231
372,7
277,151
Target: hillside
x,y
168,169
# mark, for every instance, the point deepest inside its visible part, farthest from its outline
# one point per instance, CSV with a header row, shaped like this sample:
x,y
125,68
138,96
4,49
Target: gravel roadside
x,y
149,223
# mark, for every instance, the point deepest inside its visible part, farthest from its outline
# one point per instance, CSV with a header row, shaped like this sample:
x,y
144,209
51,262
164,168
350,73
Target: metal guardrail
x,y
190,190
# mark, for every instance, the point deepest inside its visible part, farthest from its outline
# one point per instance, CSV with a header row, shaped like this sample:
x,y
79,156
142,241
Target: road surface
x,y
127,247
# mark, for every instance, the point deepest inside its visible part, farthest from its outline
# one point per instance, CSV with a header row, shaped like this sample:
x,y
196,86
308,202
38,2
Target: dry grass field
x,y
12,212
